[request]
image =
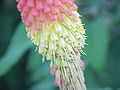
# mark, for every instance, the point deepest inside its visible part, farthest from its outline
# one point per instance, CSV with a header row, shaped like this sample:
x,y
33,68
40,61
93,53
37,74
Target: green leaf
x,y
16,49
46,84
90,78
107,88
40,73
34,61
97,32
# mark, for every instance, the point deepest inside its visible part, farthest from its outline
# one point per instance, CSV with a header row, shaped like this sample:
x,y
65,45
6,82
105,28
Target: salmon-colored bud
x,y
30,3
76,51
50,1
61,19
42,11
57,3
57,79
82,64
52,70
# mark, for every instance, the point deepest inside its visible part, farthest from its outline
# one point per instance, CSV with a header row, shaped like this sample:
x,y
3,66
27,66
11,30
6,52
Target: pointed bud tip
x,y
57,79
82,64
52,70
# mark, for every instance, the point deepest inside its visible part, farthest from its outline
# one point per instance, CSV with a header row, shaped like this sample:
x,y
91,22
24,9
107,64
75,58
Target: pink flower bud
x,y
52,70
42,11
57,79
76,51
81,63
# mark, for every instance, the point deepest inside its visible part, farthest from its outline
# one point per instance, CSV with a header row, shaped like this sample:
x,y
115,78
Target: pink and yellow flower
x,y
55,27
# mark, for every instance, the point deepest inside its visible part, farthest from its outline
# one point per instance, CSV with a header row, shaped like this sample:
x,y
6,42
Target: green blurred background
x,y
21,67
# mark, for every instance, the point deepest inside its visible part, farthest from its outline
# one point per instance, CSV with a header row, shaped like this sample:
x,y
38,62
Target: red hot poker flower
x,y
55,27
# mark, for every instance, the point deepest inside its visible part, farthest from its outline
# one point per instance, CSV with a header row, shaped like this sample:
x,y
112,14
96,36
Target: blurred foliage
x,y
21,68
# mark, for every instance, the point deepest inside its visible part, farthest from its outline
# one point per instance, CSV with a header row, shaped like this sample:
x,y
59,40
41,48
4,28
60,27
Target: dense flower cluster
x,y
55,28
35,12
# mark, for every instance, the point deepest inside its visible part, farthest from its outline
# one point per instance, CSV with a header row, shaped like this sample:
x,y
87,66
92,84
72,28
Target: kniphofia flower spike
x,y
55,27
